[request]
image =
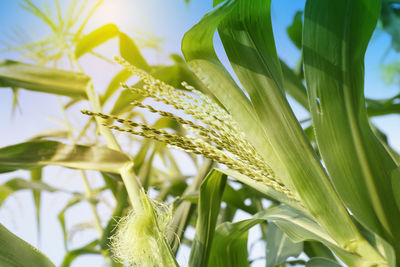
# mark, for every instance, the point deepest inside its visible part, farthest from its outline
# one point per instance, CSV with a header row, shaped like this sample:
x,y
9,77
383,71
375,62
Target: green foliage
x,y
390,18
85,250
16,252
211,191
280,247
295,29
40,153
16,184
43,79
229,245
95,38
316,262
356,160
336,183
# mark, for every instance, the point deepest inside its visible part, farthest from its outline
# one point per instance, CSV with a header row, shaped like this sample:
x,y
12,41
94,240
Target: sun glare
x,y
110,11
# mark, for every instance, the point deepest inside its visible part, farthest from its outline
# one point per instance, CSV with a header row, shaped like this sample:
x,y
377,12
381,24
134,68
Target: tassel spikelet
x,y
220,138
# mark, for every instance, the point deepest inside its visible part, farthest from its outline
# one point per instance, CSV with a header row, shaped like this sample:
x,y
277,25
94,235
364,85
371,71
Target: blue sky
x,y
168,19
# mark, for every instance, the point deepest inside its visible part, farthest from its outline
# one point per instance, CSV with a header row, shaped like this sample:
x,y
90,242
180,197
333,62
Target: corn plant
x,y
68,43
333,189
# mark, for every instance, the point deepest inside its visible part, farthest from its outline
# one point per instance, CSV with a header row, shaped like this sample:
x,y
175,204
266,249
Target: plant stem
x,y
90,198
88,191
128,177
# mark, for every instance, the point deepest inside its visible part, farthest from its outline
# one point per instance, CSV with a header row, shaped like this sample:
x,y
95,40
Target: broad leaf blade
x,y
115,83
71,255
317,249
111,227
61,218
198,49
43,79
230,244
280,247
318,262
16,252
17,184
335,38
39,153
130,52
95,38
390,19
124,101
294,86
301,228
211,191
36,177
295,29
186,210
395,179
254,59
383,106
262,188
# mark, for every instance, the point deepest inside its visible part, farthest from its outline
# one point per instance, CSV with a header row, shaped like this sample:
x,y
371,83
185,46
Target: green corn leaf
x,y
71,255
198,49
71,103
318,262
95,38
111,183
229,247
295,29
124,100
16,184
169,74
335,38
186,210
376,109
145,172
185,74
36,176
262,188
390,73
294,86
296,226
61,218
317,249
280,247
300,228
130,52
16,252
115,84
390,19
164,123
82,26
39,153
395,179
236,199
141,155
51,133
254,59
15,103
43,79
211,191
111,227
383,107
